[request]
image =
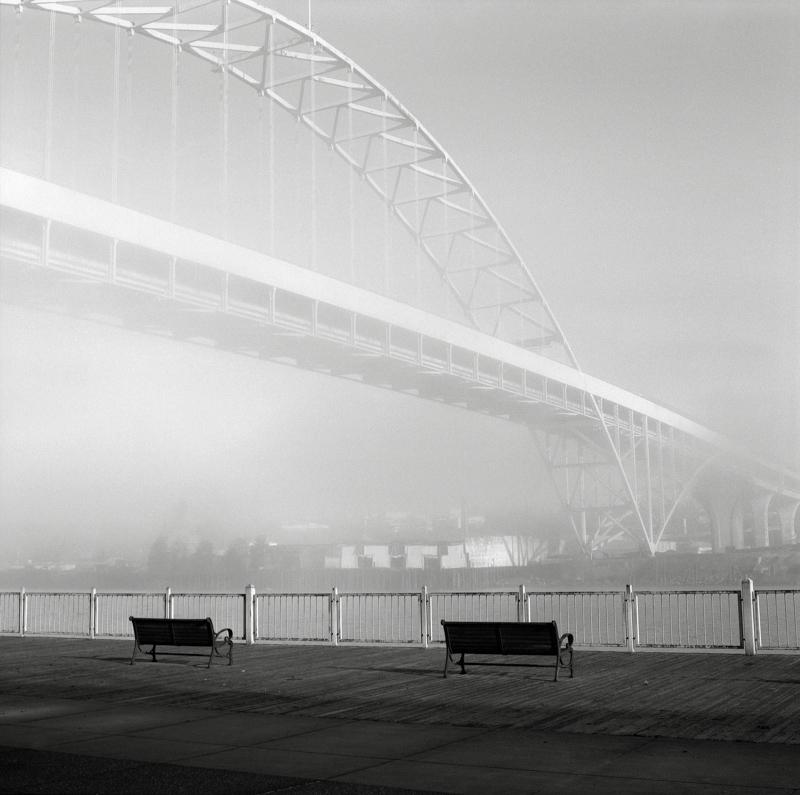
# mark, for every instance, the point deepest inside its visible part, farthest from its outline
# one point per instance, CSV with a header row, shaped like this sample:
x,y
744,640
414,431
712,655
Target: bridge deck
x,y
408,727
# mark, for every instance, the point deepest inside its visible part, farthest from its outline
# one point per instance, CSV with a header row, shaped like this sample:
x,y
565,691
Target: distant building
x,y
505,551
472,553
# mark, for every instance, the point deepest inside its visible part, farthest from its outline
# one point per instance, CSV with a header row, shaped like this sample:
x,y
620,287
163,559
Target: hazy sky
x,y
643,157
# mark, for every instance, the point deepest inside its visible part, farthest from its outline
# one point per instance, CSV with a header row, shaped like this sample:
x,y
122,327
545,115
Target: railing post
x,y
522,603
256,618
92,613
334,617
250,629
423,615
429,616
168,603
22,611
628,607
748,622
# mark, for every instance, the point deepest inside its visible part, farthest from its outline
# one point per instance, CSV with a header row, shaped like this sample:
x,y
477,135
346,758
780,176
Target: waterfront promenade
x,y
355,720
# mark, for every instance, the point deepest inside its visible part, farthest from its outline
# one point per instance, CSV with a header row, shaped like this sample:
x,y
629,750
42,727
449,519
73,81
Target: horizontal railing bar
x,y
665,592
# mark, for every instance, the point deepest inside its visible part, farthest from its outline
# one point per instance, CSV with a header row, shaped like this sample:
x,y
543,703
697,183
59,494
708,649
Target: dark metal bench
x,y
506,637
193,632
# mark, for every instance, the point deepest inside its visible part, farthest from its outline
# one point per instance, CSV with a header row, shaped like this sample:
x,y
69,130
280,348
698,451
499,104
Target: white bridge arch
x,y
372,132
620,464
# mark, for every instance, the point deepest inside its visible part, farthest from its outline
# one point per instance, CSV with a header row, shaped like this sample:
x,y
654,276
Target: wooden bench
x,y
192,632
506,637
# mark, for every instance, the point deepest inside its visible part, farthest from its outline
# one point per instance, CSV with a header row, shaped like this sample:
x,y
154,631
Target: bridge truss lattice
x,y
368,128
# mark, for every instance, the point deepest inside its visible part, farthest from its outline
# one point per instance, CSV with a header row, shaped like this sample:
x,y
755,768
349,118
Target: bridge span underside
x,y
620,464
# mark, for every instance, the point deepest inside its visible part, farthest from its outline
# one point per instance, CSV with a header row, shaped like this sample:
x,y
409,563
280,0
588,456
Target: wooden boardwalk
x,y
726,697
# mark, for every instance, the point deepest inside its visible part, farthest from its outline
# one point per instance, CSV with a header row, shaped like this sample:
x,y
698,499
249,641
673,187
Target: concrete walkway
x,y
53,745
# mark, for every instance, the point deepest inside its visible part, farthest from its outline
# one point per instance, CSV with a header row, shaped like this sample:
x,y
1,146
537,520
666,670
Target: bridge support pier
x,y
787,513
725,513
737,526
761,520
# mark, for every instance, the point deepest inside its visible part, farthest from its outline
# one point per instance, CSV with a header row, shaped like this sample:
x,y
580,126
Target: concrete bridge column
x,y
737,526
714,518
761,520
787,513
724,510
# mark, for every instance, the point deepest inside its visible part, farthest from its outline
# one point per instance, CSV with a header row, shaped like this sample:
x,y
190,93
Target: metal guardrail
x,y
293,616
689,619
778,619
718,619
225,610
474,606
57,613
595,618
112,611
379,617
10,602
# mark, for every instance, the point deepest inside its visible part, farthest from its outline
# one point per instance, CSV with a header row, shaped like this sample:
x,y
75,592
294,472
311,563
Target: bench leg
x,y
449,659
137,647
561,664
228,654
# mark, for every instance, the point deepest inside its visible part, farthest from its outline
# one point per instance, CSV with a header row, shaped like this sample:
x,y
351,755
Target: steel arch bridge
x,y
621,465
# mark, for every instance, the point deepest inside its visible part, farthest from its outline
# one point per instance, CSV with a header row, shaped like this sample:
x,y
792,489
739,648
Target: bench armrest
x,y
569,638
229,631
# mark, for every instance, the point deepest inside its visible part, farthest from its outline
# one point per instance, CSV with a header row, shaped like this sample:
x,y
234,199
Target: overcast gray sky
x,y
643,157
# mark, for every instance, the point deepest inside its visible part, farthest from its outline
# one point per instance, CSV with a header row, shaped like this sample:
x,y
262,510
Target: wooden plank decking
x,y
702,696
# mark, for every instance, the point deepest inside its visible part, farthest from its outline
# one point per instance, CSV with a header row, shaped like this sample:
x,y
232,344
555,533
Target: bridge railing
x,y
656,619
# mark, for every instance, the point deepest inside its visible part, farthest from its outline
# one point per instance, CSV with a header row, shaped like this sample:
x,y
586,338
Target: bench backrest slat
x,y
539,638
192,634
474,637
173,631
501,637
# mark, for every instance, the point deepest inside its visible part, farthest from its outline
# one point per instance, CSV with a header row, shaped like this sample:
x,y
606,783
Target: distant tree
x,y
180,560
203,558
236,558
158,561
